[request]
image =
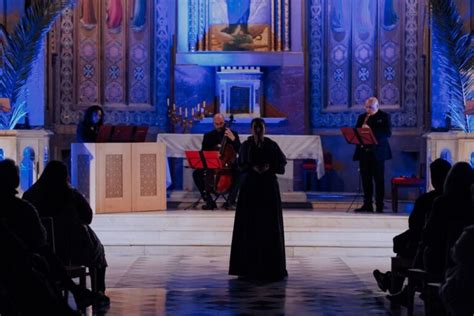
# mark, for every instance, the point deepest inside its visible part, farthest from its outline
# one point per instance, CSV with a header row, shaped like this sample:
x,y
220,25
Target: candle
x,y
167,101
180,111
186,112
192,112
204,105
174,107
199,107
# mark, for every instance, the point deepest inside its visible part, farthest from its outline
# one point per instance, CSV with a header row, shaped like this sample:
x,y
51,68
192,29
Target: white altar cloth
x,y
293,146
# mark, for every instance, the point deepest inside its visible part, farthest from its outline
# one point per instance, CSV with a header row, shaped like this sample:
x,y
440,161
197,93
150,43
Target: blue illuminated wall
x,y
440,94
354,54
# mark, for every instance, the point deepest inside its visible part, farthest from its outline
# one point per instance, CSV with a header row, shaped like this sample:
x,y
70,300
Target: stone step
x,y
323,238
224,221
291,251
306,232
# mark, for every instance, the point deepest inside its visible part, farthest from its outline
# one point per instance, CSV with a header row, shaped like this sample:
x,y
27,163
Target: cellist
x,y
212,141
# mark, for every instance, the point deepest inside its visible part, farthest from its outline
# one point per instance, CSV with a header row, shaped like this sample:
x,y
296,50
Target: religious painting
x,y
138,18
88,14
114,49
114,15
240,25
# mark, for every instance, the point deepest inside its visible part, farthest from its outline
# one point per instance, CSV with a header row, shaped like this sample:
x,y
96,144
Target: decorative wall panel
x,y
371,48
88,65
113,176
83,168
148,177
133,80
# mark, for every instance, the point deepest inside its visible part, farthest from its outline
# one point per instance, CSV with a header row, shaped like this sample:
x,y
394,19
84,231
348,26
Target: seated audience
x,y
76,242
451,213
21,224
457,292
405,245
25,288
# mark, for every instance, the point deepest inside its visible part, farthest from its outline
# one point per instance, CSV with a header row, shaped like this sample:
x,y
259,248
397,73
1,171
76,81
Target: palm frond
x,y
21,48
452,48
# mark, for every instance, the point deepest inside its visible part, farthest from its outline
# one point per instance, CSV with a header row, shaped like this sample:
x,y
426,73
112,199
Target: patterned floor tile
x,y
199,285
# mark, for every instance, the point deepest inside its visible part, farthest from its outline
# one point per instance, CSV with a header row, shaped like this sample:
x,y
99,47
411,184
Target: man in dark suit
x,y
372,157
212,141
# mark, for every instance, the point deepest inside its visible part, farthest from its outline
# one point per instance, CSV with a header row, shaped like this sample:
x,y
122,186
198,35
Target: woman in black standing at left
x,y
88,129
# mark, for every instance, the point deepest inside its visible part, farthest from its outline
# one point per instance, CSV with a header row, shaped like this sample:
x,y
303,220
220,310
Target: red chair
x,y
309,169
405,182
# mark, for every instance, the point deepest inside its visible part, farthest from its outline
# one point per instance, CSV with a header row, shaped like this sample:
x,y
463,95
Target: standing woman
x,y
88,129
258,242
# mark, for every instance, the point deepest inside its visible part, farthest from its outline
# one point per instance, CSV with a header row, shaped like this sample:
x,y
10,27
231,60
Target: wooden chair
x,y
399,270
433,304
421,281
73,271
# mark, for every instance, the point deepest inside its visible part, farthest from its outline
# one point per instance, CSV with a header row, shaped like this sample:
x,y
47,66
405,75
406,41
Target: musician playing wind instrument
x,y
372,157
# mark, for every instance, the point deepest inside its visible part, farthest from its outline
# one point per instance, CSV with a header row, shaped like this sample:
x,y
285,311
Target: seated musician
x,y
212,141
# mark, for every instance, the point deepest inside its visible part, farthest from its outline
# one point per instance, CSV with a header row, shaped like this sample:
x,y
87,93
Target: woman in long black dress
x,y
258,242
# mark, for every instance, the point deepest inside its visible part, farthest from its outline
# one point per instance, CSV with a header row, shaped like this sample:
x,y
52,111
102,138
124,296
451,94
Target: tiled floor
x,y
199,285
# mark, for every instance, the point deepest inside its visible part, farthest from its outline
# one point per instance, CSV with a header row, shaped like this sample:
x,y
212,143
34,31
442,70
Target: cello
x,y
221,180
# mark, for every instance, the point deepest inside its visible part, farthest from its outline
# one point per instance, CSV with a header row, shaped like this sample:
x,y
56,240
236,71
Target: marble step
x,y
224,221
306,233
291,251
321,238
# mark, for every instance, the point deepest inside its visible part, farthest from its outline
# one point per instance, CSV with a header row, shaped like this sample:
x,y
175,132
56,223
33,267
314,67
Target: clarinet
x,y
366,119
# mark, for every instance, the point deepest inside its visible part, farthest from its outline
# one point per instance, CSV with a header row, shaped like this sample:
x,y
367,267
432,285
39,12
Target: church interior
x,y
189,127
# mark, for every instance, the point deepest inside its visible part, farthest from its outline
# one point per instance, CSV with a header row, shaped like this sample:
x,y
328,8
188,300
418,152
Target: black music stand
x,y
207,160
358,136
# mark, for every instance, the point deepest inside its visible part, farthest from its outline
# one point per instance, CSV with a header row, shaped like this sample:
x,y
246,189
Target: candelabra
x,y
178,117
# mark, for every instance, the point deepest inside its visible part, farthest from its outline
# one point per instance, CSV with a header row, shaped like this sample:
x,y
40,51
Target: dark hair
x,y
54,175
10,177
89,112
459,180
439,170
257,120
257,124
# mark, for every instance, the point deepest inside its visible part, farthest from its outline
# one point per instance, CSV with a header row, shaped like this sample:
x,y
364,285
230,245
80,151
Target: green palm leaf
x,y
20,51
456,57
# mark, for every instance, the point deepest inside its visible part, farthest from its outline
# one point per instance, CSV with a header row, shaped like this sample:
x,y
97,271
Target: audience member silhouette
x,y
76,242
88,129
24,283
457,292
451,213
21,225
406,244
